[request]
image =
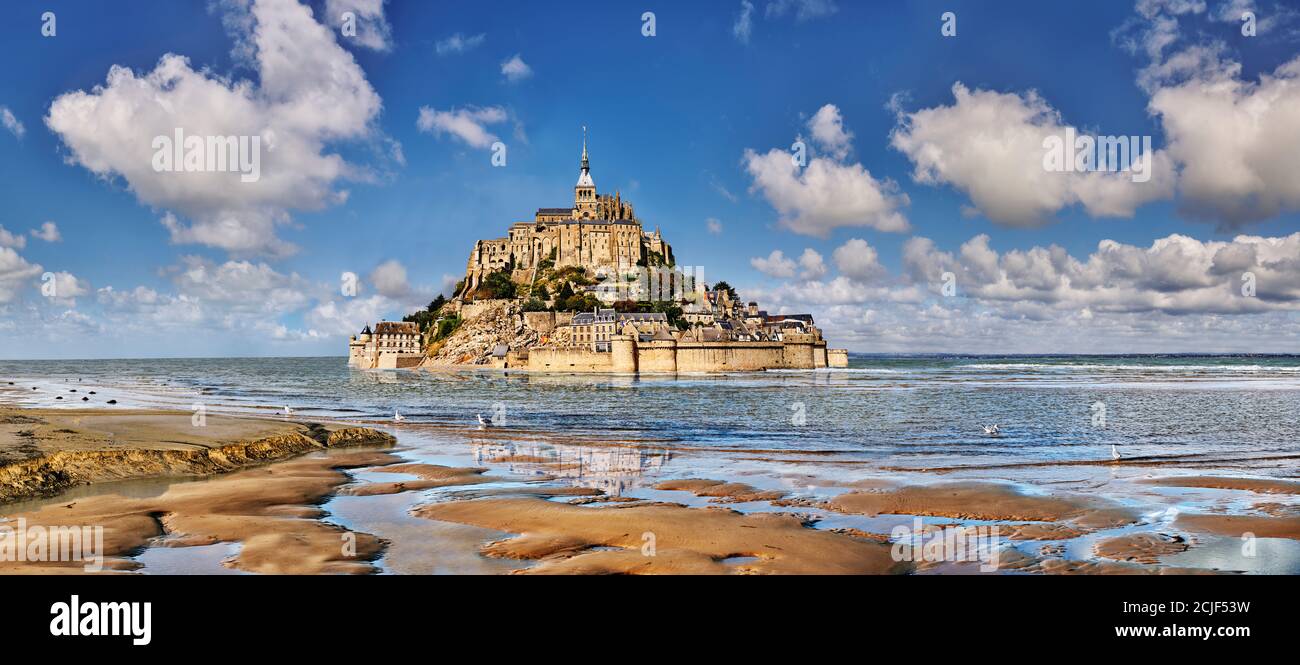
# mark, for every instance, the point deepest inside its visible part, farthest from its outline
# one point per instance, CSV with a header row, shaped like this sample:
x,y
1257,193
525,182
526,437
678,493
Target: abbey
x,y
599,232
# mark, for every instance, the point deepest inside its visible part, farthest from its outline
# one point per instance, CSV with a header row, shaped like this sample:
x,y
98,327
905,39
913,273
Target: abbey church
x,y
597,232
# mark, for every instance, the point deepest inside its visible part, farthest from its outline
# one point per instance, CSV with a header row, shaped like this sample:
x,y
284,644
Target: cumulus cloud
x,y
311,92
515,69
827,127
14,240
468,124
1234,140
15,273
240,287
11,122
774,265
458,43
373,30
346,317
714,225
1176,294
744,25
48,231
1228,136
1176,274
991,146
858,260
66,288
389,279
811,264
828,193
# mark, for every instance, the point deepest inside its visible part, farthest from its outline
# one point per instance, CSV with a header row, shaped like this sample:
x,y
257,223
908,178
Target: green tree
x,y
731,291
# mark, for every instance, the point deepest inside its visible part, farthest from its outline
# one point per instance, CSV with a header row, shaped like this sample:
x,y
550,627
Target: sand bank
x,y
1259,485
271,510
983,501
661,538
44,451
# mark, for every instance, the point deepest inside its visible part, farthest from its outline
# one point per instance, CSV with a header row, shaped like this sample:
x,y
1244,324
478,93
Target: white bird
x,y
483,422
287,411
1114,452
397,417
991,430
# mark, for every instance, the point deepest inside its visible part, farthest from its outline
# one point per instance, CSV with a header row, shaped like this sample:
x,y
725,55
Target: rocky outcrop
x,y
53,472
476,338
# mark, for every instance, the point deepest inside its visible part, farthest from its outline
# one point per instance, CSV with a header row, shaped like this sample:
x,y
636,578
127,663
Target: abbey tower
x,y
597,232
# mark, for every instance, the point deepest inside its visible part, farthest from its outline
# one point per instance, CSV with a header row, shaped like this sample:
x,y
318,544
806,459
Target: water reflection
x,y
611,470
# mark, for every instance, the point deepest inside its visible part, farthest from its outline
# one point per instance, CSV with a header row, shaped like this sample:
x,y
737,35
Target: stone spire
x,y
585,166
584,178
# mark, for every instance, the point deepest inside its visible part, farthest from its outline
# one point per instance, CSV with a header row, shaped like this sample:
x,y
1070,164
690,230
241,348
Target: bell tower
x,y
584,193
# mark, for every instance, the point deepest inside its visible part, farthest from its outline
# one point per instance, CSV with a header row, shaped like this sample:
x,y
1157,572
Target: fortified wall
x,y
627,355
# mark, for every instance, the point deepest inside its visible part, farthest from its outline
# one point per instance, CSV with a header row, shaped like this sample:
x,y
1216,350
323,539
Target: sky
x,y
880,165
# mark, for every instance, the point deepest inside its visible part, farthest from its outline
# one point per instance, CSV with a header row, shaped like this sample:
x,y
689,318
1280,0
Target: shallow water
x,y
895,418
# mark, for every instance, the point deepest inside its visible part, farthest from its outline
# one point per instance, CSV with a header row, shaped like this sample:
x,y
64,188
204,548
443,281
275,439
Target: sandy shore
x,y
269,509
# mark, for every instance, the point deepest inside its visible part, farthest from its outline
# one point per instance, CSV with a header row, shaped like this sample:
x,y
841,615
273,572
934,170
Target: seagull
x,y
483,422
287,411
992,430
1114,452
397,417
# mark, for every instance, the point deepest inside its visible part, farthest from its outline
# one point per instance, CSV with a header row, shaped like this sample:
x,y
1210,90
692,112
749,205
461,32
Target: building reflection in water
x,y
611,470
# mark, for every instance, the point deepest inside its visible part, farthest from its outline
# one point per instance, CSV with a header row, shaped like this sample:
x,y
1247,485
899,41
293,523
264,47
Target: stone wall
x,y
837,357
565,359
666,356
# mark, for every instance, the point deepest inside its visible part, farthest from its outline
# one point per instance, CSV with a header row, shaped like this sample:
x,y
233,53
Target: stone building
x,y
598,232
391,345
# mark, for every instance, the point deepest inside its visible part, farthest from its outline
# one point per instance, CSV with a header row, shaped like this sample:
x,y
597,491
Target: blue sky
x,y
683,124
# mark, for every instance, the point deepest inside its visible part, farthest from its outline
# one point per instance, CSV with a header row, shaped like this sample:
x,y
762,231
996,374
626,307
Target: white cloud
x,y
744,25
372,29
14,240
828,131
310,92
858,260
468,124
714,225
1234,140
825,195
515,69
389,279
15,273
458,43
1176,274
240,288
811,264
49,232
828,193
346,317
67,288
1228,136
11,122
990,145
774,265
